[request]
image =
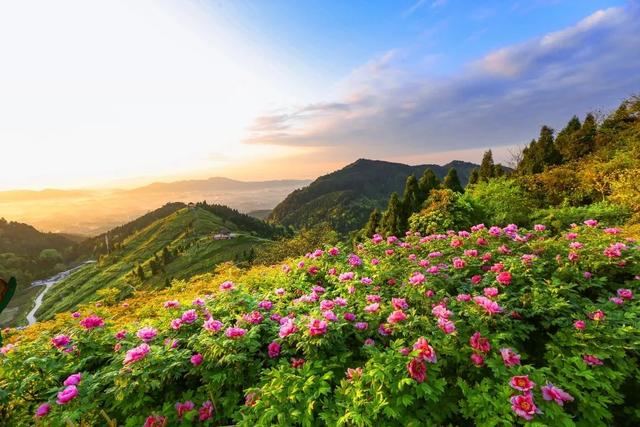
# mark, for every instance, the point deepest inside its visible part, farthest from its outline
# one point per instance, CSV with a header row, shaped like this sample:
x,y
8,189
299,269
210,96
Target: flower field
x,y
490,326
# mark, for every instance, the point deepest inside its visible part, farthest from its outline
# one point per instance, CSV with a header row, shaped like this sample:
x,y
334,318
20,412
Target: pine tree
x,y
140,273
474,178
373,224
452,182
587,135
411,200
427,182
391,218
567,140
498,171
487,169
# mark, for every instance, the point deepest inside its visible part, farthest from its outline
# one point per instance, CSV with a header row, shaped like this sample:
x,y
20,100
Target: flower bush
x,y
481,327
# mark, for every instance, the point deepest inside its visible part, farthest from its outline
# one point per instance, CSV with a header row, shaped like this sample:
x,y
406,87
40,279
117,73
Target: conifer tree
x,y
427,182
486,167
452,182
411,200
567,139
140,273
474,178
373,224
391,218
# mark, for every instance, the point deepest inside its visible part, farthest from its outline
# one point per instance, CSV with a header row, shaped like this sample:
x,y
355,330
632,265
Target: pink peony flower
x,y
353,373
297,363
212,325
121,334
523,406
189,316
425,351
146,334
75,315
92,322
489,306
551,392
197,359
273,349
67,395
183,408
136,353
579,325
369,342
522,383
597,315
60,341
539,227
476,279
349,317
591,223
463,297
480,343
234,332
490,292
73,379
176,324
504,278
459,263
287,328
361,326
417,278
372,308
447,326
397,316
509,357
345,277
206,411
592,360
43,410
625,293
155,421
417,369
227,286
317,327
254,317
171,304
477,359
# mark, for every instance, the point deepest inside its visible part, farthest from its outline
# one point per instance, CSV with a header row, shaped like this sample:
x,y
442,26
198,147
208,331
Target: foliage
x,y
452,182
447,329
562,217
304,241
444,209
501,201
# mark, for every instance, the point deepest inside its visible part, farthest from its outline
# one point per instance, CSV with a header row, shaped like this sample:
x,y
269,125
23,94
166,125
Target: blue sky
x,y
123,93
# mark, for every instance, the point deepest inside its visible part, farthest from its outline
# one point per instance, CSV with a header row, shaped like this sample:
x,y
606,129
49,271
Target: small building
x,y
191,206
223,234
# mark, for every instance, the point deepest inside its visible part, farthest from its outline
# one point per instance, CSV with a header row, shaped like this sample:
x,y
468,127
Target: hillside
x,y
29,255
521,326
176,246
346,197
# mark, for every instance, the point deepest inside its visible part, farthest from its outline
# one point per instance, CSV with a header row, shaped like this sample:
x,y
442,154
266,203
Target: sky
x,y
121,93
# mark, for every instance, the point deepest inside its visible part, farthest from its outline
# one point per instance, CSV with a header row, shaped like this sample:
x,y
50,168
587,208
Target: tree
x,y
474,178
392,216
567,140
486,167
452,182
540,153
427,182
411,200
373,224
140,273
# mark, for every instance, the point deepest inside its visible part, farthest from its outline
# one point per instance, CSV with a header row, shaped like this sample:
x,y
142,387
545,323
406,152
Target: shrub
x,y
444,209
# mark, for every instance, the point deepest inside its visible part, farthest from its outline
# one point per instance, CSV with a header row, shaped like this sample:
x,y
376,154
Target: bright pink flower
x,y
212,325
504,278
349,317
459,263
417,278
287,328
373,298
397,316
372,308
353,373
345,277
121,334
490,292
155,421
136,353
185,407
591,223
255,317
477,359
75,314
273,349
60,341
463,297
616,300
447,326
206,411
489,306
625,293
67,395
43,410
369,342
326,305
425,351
592,360
176,324
417,369
441,311
509,357
399,303
539,227
523,406
172,304
317,327
146,334
92,322
189,316
73,379
573,256
579,324
476,279
297,363
361,326
334,251
551,392
522,383
227,286
197,359
234,332
480,343
597,315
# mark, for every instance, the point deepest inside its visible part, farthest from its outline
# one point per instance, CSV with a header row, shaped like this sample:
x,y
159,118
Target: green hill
x,y
176,246
346,197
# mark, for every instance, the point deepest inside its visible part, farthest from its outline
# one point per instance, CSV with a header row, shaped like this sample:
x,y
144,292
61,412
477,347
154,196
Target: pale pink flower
x,y
146,334
189,316
509,357
551,392
234,332
136,353
317,327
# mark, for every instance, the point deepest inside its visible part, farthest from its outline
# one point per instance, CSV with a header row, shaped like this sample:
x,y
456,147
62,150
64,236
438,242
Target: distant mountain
x,y
218,184
346,197
166,245
262,214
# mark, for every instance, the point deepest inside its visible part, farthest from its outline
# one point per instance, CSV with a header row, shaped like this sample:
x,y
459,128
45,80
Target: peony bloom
x,y
447,326
92,322
522,383
579,325
326,305
509,357
189,316
551,392
330,315
592,360
146,334
397,316
155,421
480,343
171,304
196,359
121,334
73,379
597,315
345,277
625,293
539,227
477,359
591,223
425,351
212,325
459,263
67,395
353,373
417,369
372,308
476,279
136,353
504,278
417,278
490,292
361,326
227,286
185,407
234,332
369,342
297,363
273,349
254,317
75,315
463,297
317,327
523,406
176,324
489,306
43,410
206,411
287,328
60,341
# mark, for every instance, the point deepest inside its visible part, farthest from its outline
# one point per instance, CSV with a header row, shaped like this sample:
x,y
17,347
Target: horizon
x,y
252,92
